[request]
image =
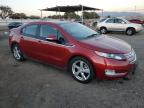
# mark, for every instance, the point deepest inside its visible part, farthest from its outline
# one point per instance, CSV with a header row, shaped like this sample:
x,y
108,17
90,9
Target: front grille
x,y
131,57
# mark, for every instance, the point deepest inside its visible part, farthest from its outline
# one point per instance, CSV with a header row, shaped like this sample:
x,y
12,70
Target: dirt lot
x,y
34,85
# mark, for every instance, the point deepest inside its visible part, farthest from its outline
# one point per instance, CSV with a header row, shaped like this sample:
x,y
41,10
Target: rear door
x,y
29,42
120,25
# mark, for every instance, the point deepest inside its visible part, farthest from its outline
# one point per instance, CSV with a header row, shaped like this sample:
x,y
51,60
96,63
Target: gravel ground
x,y
35,85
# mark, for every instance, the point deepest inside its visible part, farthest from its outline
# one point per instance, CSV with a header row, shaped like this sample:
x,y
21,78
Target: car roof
x,y
54,22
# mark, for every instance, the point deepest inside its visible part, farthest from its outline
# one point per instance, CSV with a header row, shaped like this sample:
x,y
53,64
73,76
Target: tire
x,y
81,70
17,53
103,30
130,31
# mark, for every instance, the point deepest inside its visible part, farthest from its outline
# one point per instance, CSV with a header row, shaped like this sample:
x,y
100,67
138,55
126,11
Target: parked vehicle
x,y
137,21
95,22
14,25
73,46
119,24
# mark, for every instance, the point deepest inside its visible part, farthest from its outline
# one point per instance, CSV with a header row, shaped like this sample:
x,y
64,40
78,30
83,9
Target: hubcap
x,y
16,53
129,32
81,70
103,31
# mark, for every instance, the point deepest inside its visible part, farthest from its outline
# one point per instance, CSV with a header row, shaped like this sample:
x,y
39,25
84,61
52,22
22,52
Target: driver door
x,y
54,52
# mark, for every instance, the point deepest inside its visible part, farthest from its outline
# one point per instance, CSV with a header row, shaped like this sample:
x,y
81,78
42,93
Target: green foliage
x,y
90,15
5,11
18,16
34,17
55,16
71,15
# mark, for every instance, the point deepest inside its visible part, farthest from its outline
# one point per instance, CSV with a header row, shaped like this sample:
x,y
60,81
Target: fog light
x,y
110,72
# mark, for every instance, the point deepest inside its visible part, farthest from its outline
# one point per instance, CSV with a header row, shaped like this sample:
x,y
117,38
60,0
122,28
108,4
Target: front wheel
x,y
81,69
103,30
17,53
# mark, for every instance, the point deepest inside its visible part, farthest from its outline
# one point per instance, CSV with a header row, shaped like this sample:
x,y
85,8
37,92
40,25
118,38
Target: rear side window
x,y
30,30
110,21
46,30
120,21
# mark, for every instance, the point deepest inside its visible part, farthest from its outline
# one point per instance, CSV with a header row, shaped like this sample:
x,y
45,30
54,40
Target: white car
x,y
118,24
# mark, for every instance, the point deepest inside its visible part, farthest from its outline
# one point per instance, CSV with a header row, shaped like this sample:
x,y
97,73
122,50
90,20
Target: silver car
x,y
118,24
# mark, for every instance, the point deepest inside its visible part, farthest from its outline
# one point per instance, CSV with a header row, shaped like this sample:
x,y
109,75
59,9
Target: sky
x,y
30,7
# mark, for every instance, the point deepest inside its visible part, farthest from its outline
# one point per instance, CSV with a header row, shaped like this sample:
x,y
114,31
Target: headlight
x,y
111,56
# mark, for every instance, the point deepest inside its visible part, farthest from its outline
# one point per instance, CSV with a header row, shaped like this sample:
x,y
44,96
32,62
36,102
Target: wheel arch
x,y
130,28
103,27
79,55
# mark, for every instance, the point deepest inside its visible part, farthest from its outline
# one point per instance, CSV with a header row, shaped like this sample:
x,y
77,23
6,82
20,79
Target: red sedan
x,y
136,21
73,46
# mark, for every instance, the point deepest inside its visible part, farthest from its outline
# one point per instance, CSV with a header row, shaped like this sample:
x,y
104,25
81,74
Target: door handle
x,y
22,37
39,41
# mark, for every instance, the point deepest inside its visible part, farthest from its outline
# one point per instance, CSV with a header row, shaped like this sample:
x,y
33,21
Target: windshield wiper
x,y
92,35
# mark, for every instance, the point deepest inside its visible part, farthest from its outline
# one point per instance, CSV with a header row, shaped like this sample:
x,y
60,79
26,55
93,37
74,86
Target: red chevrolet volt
x,y
73,46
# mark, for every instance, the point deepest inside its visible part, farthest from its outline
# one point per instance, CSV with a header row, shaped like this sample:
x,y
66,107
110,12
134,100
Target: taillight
x,y
11,33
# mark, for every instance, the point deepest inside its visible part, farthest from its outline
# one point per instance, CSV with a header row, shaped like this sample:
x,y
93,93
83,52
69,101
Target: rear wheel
x,y
17,53
81,69
103,30
130,31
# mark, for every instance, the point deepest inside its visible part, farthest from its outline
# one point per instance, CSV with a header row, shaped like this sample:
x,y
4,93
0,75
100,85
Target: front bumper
x,y
113,69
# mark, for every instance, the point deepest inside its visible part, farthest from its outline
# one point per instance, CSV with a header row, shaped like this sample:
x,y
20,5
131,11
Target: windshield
x,y
78,31
102,20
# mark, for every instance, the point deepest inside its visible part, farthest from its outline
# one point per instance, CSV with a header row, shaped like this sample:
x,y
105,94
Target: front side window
x,y
102,20
46,31
110,21
30,30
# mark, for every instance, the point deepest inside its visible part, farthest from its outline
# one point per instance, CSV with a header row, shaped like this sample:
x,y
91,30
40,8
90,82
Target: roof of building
x,y
70,8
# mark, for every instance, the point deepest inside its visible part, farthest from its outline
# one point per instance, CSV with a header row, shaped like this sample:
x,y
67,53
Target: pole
x,y
135,8
102,13
59,12
82,15
41,14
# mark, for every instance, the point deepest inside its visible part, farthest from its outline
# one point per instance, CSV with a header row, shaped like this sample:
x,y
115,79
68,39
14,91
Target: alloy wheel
x,y
81,70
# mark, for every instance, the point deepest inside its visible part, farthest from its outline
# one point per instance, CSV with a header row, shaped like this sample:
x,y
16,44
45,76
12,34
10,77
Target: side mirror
x,y
51,38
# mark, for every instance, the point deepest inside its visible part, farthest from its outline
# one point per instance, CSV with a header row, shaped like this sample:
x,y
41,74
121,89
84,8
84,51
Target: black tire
x,y
103,30
90,75
130,31
19,56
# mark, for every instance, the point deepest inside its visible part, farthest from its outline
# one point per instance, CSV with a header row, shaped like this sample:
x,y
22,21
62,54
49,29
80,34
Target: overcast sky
x,y
31,6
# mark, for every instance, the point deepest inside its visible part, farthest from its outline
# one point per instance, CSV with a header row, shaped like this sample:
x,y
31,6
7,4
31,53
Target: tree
x,y
5,11
55,16
18,16
90,15
34,17
71,15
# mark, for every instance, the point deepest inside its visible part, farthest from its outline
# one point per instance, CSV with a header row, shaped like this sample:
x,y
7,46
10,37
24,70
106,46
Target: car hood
x,y
106,44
